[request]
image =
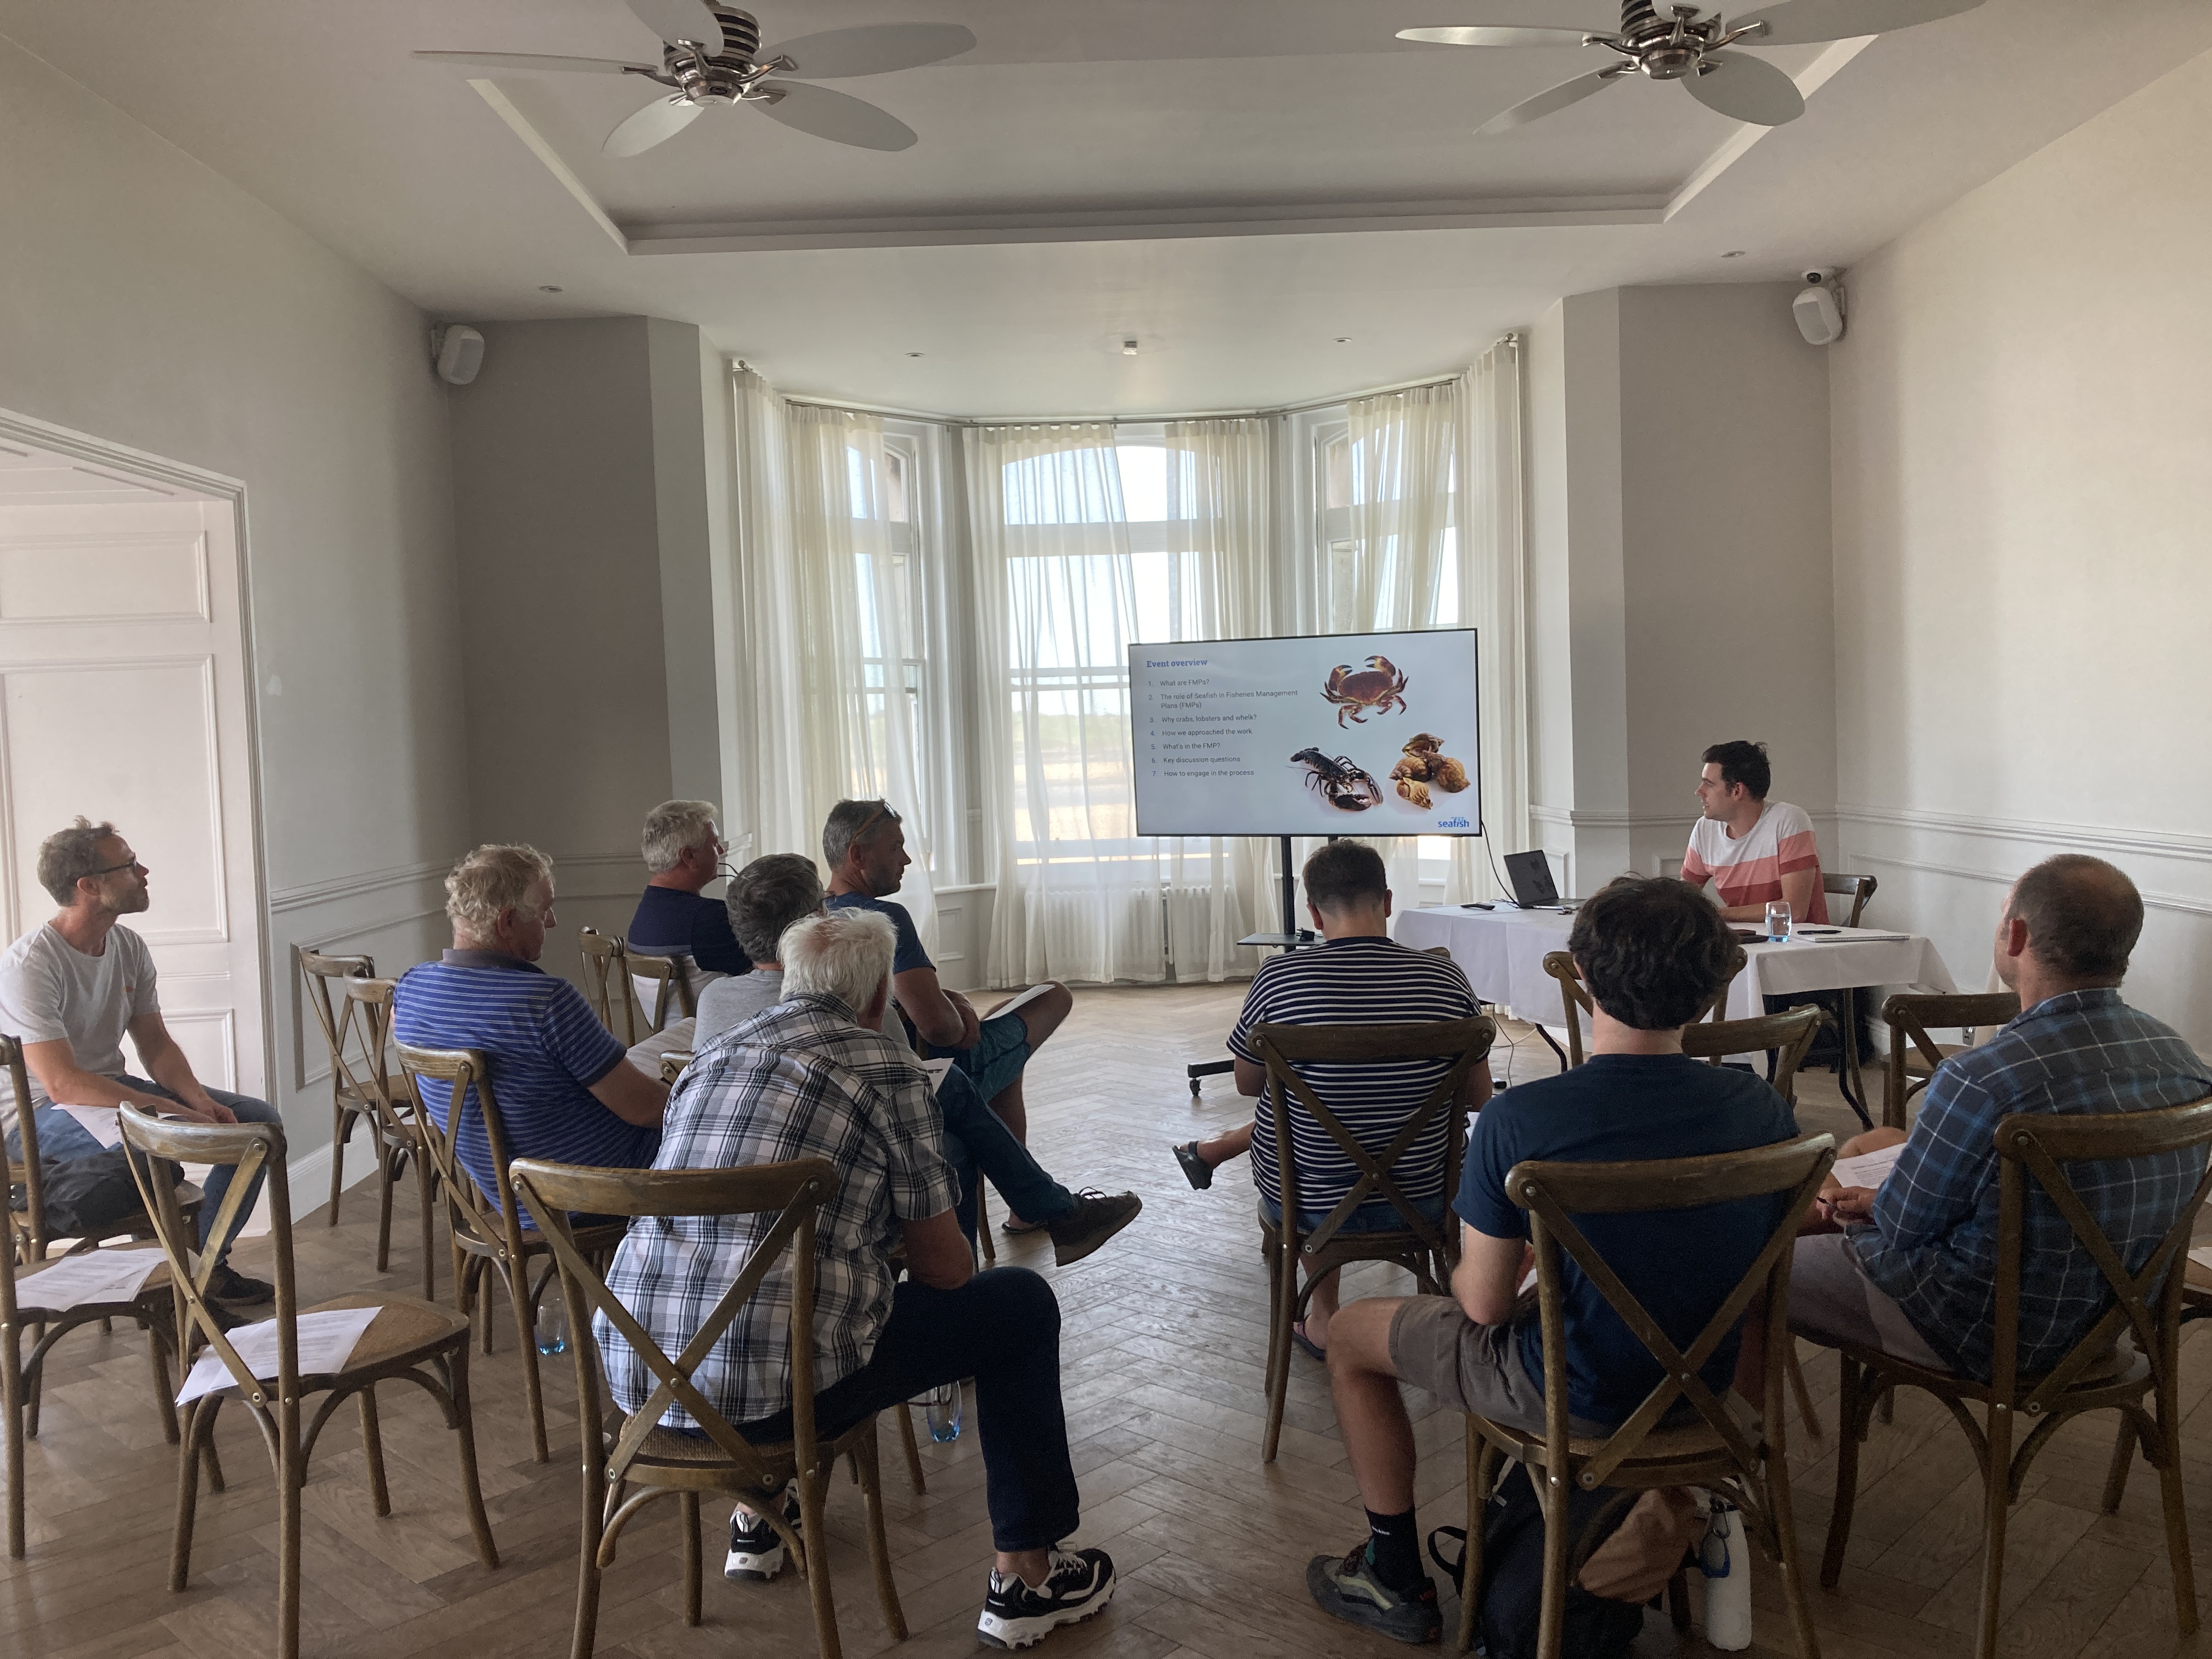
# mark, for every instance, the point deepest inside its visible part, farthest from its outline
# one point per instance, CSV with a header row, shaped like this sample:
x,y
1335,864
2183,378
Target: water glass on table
x,y
1778,920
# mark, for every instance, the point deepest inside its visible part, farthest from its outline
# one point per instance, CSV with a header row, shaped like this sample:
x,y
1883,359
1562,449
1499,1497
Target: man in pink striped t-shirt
x,y
1753,850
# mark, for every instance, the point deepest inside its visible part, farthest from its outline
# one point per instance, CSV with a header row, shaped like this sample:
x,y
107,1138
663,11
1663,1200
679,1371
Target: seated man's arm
x,y
1251,1077
944,1018
596,1059
630,1095
1949,1158
1488,1277
1798,887
937,1253
68,1084
166,1064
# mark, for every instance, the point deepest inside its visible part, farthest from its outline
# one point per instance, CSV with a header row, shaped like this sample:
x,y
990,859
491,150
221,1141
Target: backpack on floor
x,y
1513,1573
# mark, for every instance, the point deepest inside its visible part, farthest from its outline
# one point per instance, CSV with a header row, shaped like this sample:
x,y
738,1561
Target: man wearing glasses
x,y
68,991
683,849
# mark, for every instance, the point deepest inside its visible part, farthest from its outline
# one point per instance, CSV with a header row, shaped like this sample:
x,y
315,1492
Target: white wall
x,y
2022,426
145,302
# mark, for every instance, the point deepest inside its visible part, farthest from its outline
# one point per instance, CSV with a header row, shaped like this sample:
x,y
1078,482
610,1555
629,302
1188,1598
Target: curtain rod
x,y
817,401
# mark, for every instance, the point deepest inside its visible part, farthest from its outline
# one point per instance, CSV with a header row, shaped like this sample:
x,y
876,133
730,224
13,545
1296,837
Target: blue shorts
x,y
1377,1215
998,1054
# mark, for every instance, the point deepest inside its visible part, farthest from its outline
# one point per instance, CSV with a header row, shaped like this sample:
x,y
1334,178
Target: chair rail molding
x,y
2163,844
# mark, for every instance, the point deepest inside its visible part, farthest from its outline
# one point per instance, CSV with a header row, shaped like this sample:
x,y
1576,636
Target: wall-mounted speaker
x,y
460,354
1819,308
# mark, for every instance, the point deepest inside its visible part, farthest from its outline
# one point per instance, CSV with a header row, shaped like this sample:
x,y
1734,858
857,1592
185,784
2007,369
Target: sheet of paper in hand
x,y
1867,1169
327,1340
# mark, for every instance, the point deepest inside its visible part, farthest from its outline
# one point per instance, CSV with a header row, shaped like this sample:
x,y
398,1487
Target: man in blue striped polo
x,y
565,1091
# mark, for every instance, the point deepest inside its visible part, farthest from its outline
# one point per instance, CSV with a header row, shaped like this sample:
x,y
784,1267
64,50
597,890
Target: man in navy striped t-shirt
x,y
564,1089
1358,975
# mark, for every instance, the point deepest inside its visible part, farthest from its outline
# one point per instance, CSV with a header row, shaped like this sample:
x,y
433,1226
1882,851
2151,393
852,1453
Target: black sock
x,y
1393,1550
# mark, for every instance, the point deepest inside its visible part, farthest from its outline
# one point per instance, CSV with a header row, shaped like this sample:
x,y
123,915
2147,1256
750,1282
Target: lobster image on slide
x,y
1342,782
1380,686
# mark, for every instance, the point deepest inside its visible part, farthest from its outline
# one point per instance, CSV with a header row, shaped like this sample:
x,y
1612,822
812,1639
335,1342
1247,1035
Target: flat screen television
x,y
1319,735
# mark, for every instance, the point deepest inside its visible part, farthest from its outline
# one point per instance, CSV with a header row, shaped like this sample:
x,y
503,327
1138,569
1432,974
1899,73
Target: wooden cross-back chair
x,y
410,1340
661,1462
603,967
1859,888
673,993
22,1315
1717,1452
1914,1054
490,1236
1575,1003
1424,1248
2097,1373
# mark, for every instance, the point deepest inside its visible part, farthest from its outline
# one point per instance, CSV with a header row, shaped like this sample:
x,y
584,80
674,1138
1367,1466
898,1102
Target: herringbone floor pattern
x,y
1164,1336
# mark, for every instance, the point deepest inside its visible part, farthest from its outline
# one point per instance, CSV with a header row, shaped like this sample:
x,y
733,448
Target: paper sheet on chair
x,y
1867,1169
327,1340
95,1276
938,1070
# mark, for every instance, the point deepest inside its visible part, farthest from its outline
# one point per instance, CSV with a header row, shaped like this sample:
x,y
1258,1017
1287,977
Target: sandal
x,y
1306,1344
1014,1229
1196,1170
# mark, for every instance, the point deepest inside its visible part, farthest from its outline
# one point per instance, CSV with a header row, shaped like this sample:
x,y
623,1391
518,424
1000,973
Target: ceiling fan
x,y
1689,46
711,54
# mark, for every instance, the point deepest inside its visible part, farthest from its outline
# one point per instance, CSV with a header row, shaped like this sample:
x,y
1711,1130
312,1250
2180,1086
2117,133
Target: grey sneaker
x,y
1095,1218
1345,1587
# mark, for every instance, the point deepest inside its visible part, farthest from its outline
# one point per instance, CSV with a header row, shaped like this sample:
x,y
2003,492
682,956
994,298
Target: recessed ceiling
x,y
1238,182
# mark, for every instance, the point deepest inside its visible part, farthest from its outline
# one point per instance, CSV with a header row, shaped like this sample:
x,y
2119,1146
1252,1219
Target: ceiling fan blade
x,y
658,122
1803,22
530,60
1544,103
681,19
1745,88
836,116
1488,34
877,50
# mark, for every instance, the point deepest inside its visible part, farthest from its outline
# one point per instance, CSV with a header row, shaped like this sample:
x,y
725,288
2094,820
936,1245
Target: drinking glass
x,y
945,1412
1777,919
553,1323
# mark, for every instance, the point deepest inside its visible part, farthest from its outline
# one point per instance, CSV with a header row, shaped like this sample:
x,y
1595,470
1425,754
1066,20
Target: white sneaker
x,y
1079,1583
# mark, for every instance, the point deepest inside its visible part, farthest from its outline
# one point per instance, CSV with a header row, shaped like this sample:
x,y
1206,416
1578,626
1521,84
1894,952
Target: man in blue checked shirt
x,y
1914,1272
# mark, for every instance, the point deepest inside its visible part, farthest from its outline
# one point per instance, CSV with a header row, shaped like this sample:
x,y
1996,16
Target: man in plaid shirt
x,y
814,1077
1914,1272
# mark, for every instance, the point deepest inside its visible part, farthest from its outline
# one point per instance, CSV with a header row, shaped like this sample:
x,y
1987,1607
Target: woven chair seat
x,y
2122,1366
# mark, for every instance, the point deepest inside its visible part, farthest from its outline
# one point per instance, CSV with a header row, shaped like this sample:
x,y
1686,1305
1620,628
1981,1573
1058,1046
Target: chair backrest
x,y
2034,1146
360,1068
1575,997
603,967
1912,1015
25,1229
1554,1193
488,1218
1861,888
1462,1042
1789,1033
391,1096
795,1191
670,976
154,1147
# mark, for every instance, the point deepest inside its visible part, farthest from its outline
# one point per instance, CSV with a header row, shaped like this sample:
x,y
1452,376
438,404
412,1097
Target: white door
x,y
123,697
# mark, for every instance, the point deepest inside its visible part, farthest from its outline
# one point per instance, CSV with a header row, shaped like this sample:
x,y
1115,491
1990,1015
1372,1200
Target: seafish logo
x,y
1454,824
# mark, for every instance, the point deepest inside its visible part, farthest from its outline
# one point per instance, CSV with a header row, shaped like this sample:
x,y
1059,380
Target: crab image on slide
x,y
1342,782
1380,686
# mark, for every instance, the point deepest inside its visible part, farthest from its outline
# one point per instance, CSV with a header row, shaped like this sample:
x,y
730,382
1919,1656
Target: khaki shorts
x,y
1470,1367
1833,1301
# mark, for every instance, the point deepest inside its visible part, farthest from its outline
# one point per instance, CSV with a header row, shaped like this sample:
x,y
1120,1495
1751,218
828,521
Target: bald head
x,y
2082,916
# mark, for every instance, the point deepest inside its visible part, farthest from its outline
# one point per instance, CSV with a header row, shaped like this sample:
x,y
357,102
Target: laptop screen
x,y
1530,873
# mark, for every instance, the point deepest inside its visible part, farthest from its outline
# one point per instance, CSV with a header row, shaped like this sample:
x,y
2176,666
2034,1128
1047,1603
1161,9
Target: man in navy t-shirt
x,y
863,844
1653,952
683,850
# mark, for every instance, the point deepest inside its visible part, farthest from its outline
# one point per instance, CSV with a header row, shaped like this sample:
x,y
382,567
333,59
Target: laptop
x,y
1530,873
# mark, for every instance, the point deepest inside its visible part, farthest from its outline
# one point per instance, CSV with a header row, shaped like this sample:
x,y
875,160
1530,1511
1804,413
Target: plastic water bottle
x,y
1777,921
943,1412
1727,1567
553,1324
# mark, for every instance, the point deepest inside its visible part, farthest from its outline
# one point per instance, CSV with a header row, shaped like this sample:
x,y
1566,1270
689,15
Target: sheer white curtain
x,y
1060,594
831,629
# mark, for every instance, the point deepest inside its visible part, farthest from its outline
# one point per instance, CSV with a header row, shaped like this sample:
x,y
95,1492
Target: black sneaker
x,y
1196,1170
756,1552
1081,1582
1095,1218
1345,1587
235,1289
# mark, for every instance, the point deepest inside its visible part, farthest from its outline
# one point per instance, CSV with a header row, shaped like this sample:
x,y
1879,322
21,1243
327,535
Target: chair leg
x,y
1997,1508
290,1496
372,1446
11,1402
593,1528
525,1311
1278,1351
1558,1538
2124,1454
1481,1469
165,1396
425,1179
341,1128
688,1503
35,1385
815,1534
983,1224
464,1430
879,1553
384,1156
1784,1522
1851,1429
913,1451
2177,1516
1678,1599
199,1424
1804,1395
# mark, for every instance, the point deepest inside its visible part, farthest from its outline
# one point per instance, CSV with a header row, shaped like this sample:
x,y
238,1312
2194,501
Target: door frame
x,y
160,470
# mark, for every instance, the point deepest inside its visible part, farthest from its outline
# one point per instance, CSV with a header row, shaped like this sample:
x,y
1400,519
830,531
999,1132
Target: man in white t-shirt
x,y
70,990
1753,850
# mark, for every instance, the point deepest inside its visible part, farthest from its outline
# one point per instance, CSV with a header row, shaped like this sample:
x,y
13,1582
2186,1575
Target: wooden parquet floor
x,y
1164,1337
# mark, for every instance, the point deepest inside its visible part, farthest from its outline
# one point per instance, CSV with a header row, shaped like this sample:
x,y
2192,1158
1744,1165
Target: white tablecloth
x,y
1502,953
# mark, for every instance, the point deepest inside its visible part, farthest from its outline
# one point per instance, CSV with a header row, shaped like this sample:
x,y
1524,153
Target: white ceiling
x,y
1096,168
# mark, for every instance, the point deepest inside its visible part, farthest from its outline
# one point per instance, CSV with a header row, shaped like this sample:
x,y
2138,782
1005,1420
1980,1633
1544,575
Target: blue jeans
x,y
976,1142
62,1139
1001,1328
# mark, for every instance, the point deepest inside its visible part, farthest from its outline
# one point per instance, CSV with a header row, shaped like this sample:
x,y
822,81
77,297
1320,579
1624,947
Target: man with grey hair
x,y
773,893
863,844
814,1077
564,1090
683,849
70,990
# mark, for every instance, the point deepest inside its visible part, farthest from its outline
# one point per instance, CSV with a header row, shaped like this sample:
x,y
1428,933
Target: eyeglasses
x,y
109,869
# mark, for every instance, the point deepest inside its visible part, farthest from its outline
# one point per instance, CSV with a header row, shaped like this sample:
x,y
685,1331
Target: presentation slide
x,y
1329,734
